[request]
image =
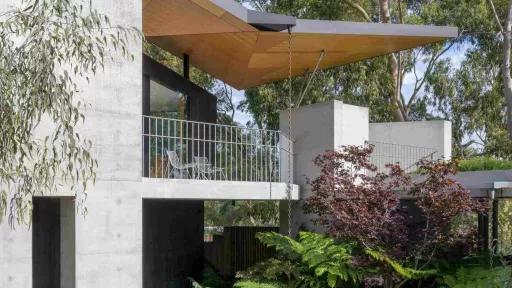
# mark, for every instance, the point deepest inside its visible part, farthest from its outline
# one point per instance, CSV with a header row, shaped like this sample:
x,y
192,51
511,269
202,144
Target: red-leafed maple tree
x,y
355,202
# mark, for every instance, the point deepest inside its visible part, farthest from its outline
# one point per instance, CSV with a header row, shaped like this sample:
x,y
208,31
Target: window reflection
x,y
165,102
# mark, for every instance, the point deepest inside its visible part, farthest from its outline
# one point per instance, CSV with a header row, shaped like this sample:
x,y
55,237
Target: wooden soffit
x,y
218,39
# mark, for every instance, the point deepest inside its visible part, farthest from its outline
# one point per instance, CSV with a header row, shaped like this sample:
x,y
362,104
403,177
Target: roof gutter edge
x,y
363,28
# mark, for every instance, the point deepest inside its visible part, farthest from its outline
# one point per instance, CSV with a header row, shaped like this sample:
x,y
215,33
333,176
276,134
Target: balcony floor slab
x,y
215,190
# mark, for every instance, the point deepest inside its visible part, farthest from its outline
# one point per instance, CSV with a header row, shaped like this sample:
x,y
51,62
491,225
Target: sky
x,y
456,55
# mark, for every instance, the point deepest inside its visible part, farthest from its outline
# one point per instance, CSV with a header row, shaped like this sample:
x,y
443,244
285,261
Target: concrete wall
x,y
428,134
315,129
15,256
15,245
109,238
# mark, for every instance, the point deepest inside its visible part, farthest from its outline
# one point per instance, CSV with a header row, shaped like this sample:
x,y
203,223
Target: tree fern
x,y
316,260
283,244
405,272
319,260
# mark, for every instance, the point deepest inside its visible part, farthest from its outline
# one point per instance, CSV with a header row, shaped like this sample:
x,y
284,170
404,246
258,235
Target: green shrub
x,y
479,277
484,164
318,261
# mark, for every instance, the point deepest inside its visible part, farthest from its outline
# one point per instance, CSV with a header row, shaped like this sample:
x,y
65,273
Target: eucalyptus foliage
x,y
46,48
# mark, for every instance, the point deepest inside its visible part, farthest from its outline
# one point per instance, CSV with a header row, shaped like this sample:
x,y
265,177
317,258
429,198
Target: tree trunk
x,y
385,17
507,79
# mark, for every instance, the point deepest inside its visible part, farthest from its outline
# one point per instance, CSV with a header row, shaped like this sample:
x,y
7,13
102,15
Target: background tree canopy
x,y
469,92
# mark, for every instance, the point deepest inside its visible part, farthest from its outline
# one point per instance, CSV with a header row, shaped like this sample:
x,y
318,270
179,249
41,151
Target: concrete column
x,y
315,129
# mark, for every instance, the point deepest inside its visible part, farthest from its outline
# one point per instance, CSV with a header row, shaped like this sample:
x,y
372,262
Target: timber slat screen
x,y
237,249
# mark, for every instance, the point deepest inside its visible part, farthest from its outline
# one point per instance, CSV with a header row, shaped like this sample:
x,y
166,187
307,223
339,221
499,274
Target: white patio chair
x,y
204,169
175,167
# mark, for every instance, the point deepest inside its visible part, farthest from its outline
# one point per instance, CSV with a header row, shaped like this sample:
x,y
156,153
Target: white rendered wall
x,y
315,129
428,134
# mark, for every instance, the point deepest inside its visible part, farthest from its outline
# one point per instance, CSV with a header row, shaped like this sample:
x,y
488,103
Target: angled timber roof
x,y
247,48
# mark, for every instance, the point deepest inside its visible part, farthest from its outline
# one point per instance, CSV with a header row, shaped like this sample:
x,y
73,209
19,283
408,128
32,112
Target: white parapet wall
x,y
316,129
435,134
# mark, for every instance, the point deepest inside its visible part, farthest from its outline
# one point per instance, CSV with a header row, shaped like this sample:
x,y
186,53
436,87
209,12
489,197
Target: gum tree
x,y
46,48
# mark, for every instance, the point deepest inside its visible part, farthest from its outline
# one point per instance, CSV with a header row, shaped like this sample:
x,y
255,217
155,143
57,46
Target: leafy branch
x,y
47,47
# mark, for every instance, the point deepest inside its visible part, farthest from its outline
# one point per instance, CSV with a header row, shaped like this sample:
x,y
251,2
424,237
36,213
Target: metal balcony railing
x,y
184,149
407,156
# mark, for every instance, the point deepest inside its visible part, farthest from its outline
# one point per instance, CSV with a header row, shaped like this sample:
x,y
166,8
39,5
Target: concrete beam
x,y
215,190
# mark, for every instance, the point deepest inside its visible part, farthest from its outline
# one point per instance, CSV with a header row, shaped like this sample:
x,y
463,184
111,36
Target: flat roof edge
x,y
233,8
279,22
361,28
255,17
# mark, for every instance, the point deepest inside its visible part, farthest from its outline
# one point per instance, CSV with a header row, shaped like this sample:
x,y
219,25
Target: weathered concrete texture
x,y
15,245
427,134
109,237
15,256
173,242
315,129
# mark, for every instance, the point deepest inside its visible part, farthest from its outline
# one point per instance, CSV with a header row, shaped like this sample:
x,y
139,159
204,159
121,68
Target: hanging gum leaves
x,y
46,47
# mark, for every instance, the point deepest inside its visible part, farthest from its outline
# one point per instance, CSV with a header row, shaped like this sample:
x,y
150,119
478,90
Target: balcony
x,y
229,161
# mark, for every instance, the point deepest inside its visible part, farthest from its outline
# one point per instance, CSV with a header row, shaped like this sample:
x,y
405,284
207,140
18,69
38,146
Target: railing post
x,y
145,147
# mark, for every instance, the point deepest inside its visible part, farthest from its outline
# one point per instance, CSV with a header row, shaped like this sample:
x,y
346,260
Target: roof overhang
x,y
247,48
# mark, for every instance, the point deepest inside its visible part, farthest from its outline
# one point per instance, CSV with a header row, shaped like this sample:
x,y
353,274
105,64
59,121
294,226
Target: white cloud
x,y
456,55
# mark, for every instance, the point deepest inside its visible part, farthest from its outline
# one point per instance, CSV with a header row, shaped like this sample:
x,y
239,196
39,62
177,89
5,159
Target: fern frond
x,y
281,243
195,284
405,272
252,284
